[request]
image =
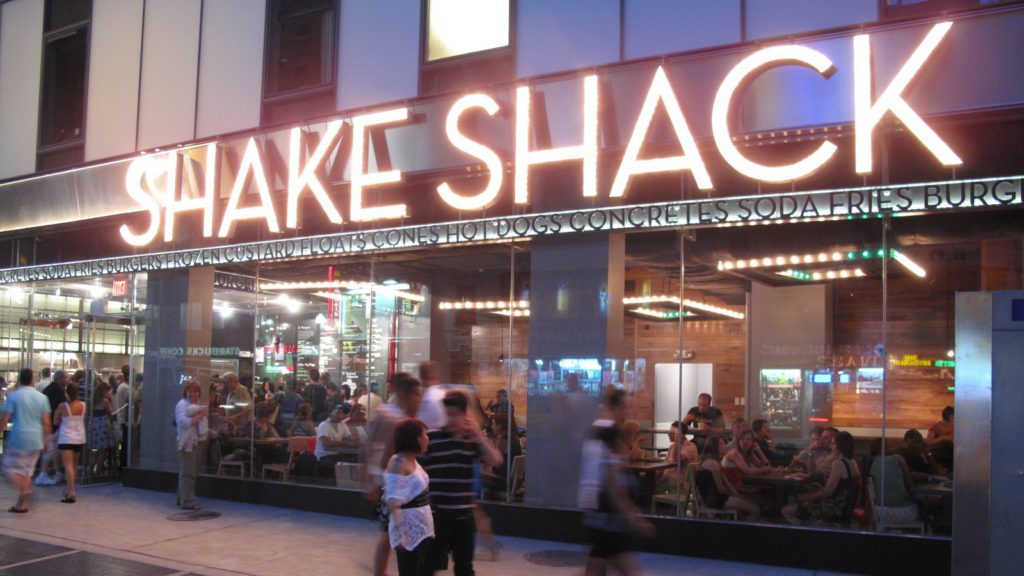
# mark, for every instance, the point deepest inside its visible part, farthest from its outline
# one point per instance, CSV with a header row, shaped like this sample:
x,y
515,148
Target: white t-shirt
x,y
372,403
43,383
432,411
121,401
332,431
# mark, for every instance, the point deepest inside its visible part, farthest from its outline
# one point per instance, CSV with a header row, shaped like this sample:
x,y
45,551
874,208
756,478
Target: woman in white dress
x,y
70,417
410,521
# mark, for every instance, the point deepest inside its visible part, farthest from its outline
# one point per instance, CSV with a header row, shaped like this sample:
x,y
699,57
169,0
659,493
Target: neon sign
x,y
154,182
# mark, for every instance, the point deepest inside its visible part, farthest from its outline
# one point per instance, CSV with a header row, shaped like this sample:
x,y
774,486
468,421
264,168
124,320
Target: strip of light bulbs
x,y
686,303
822,258
483,305
515,313
909,264
659,314
819,258
822,274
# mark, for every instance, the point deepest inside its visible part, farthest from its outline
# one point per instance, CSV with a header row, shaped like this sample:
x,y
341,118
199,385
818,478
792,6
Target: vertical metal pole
x,y
508,363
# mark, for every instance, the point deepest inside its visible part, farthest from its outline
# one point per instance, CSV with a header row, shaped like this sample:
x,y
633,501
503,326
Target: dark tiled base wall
x,y
815,549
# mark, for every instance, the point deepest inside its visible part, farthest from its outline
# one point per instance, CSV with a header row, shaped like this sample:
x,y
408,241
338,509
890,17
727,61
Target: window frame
x,y
489,52
471,62
331,66
48,37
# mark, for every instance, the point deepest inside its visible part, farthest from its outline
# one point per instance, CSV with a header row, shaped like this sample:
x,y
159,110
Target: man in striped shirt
x,y
450,461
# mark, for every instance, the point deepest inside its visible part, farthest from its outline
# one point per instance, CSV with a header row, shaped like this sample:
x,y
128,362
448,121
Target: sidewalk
x,y
114,526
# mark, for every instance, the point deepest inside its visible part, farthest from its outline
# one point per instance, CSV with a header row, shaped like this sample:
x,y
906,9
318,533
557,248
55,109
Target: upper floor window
x,y
467,43
917,8
63,90
459,27
299,76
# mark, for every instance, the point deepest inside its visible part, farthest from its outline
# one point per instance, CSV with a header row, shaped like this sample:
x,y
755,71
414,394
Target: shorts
x,y
608,543
77,448
21,463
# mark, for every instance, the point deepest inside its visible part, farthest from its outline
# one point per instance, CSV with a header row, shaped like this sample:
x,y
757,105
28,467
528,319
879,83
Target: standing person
x,y
410,522
70,437
29,414
704,415
239,399
101,430
190,418
122,396
54,392
316,394
408,395
44,379
449,459
432,412
371,401
603,494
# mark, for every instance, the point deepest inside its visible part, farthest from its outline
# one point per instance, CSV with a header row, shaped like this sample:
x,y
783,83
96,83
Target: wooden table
x,y
781,483
647,473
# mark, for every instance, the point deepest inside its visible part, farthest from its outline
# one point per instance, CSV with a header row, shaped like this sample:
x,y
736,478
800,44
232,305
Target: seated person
x,y
632,437
332,436
763,436
509,446
303,425
892,480
755,457
356,421
918,458
681,451
739,462
716,491
261,428
704,415
834,502
804,461
943,429
940,439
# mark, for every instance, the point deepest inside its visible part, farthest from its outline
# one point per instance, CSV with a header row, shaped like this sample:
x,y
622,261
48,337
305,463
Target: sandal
x,y
17,510
68,499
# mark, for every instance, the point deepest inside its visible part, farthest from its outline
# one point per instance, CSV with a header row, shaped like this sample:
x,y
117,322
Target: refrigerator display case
x,y
781,393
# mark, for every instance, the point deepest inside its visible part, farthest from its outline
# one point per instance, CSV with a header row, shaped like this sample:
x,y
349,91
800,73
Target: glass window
x,y
301,44
458,27
62,100
62,13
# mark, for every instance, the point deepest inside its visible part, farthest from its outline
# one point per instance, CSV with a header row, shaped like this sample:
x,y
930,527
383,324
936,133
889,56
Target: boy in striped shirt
x,y
450,460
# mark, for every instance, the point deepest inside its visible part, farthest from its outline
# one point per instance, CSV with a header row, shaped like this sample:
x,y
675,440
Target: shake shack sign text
x,y
309,163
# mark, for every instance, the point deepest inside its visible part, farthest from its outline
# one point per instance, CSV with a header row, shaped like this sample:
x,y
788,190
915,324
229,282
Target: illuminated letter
x,y
866,115
775,56
250,161
298,179
360,179
133,184
489,157
173,205
661,91
587,151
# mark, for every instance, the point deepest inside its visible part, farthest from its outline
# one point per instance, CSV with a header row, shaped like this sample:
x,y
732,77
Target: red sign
x,y
120,287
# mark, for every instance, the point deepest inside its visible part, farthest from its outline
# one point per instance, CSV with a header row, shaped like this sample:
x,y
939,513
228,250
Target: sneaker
x,y
44,479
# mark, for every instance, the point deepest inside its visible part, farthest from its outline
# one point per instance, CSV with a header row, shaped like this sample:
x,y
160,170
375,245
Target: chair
x,y
296,445
682,498
706,511
238,465
915,525
518,473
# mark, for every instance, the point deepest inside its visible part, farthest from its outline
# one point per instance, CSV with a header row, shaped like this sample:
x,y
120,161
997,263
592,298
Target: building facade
x,y
771,202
